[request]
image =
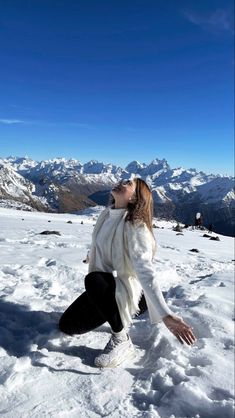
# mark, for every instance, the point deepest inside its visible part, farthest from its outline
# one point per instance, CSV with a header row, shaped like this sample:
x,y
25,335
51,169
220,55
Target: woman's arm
x,y
140,251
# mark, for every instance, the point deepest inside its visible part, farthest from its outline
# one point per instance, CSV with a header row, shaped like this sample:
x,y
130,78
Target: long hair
x,y
140,207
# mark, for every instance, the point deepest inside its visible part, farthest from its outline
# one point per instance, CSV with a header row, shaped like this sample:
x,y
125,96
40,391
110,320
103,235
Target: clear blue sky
x,y
118,81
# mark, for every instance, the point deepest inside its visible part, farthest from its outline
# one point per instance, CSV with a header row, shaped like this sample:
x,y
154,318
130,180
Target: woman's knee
x,y
91,280
64,325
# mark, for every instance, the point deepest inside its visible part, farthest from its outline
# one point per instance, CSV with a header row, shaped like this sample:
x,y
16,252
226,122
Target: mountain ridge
x,y
63,185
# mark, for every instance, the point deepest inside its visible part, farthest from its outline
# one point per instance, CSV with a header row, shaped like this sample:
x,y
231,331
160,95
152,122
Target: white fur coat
x,y
132,252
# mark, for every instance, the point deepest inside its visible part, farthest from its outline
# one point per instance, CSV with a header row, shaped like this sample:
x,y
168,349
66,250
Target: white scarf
x,y
128,288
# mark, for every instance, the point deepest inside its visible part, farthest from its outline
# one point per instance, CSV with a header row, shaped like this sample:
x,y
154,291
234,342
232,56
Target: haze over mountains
x,y
67,185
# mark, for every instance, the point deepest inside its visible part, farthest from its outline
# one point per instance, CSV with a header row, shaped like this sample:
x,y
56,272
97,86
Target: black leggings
x,y
95,306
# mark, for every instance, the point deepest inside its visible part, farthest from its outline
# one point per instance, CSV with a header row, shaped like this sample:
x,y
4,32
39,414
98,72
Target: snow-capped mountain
x,y
18,192
66,185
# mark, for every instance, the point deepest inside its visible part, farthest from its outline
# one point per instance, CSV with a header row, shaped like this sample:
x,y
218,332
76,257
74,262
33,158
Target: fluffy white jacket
x,y
132,248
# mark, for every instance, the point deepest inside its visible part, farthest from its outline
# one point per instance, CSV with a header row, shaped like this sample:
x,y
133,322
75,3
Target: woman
x,y
120,272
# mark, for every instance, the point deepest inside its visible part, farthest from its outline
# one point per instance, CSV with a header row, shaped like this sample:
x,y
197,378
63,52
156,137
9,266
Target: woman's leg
x,y
100,288
80,317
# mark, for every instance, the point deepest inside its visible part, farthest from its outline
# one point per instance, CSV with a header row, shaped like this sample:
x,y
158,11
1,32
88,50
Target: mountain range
x,y
67,185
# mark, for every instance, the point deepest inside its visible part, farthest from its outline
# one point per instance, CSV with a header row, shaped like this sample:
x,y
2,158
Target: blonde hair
x,y
140,207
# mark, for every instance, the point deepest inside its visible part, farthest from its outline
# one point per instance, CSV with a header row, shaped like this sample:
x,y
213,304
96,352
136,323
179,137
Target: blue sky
x,y
118,81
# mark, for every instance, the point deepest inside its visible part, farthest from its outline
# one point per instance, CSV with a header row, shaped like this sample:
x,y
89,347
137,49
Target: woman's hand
x,y
180,329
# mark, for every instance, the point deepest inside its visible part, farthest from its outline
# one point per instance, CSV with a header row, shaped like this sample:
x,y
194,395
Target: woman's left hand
x,y
180,329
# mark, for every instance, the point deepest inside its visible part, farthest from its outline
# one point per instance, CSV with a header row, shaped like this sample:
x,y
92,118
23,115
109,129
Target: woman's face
x,y
123,191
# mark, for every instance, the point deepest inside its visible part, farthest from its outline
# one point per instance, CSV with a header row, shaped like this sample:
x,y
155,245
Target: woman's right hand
x,y
180,329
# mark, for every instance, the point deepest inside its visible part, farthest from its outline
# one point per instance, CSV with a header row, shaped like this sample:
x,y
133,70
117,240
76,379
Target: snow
x,y
217,189
15,188
14,204
44,373
177,172
175,186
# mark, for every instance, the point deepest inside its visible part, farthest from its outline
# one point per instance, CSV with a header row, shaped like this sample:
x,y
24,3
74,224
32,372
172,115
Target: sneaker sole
x,y
119,361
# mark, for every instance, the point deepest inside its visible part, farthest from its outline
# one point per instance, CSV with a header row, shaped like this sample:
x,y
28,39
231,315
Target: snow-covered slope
x,y
44,373
218,189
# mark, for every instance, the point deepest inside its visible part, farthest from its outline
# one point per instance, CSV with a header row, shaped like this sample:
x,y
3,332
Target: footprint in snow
x,y
201,361
169,247
9,270
228,343
201,278
50,263
46,262
218,394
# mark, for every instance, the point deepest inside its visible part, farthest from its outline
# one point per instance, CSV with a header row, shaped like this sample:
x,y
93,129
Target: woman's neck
x,y
118,206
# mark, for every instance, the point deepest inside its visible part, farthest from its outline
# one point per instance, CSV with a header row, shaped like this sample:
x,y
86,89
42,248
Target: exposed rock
x,y
177,228
50,233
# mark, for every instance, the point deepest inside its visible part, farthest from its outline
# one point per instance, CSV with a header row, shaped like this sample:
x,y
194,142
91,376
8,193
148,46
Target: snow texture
x,y
44,373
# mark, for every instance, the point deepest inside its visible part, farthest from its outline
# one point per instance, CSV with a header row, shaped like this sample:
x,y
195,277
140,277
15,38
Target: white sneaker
x,y
115,352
